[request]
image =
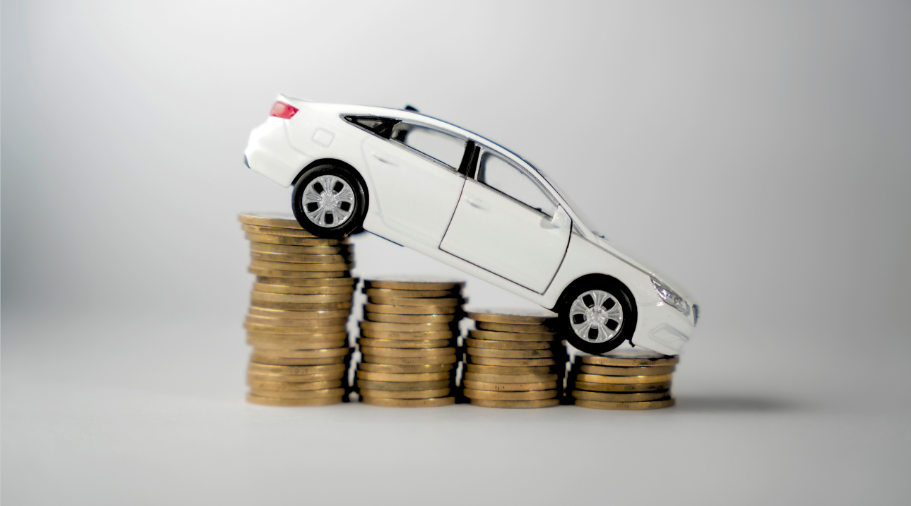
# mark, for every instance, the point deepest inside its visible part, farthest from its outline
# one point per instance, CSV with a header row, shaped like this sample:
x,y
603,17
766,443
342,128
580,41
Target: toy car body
x,y
469,203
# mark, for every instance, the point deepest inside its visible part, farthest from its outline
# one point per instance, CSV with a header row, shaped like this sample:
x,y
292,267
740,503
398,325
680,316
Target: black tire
x,y
357,210
619,293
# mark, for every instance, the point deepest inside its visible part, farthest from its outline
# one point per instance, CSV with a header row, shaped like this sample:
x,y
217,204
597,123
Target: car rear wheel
x,y
329,201
596,315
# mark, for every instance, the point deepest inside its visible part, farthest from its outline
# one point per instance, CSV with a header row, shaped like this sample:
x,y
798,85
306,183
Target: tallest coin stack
x,y
298,314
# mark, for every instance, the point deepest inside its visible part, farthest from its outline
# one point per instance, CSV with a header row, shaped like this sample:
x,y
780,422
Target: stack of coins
x,y
407,343
513,360
624,378
298,314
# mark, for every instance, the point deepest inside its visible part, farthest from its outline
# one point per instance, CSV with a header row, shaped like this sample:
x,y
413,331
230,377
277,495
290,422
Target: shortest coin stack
x,y
624,378
407,343
513,360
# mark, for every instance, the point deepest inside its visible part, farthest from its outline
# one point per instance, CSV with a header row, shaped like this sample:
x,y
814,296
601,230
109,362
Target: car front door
x,y
417,180
508,224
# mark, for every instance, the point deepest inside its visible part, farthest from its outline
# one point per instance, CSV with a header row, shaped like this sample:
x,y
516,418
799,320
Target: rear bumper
x,y
270,154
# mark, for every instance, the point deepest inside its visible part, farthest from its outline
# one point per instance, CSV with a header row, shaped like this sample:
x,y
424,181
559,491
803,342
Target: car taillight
x,y
283,110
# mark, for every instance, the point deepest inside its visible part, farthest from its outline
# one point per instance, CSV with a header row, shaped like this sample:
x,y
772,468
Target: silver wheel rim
x,y
596,316
328,201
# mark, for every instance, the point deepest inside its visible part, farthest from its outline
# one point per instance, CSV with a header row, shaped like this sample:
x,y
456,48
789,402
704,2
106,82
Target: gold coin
x,y
510,378
298,394
541,403
629,357
399,352
509,345
270,344
608,387
272,401
295,322
268,359
413,285
295,369
276,220
292,258
383,292
290,241
402,386
270,385
297,338
408,336
300,250
409,318
656,404
377,359
509,387
309,282
386,309
512,316
288,266
299,315
619,397
294,306
298,330
404,301
275,344
595,378
284,232
412,369
304,290
403,377
514,328
510,396
493,369
511,336
295,378
388,343
300,299
493,353
405,394
511,362
406,327
339,353
272,273
625,371
408,403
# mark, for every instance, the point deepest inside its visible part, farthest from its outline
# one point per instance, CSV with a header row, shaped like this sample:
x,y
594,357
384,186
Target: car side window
x,y
441,146
512,181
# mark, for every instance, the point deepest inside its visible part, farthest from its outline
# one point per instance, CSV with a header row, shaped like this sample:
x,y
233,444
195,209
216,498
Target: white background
x,y
758,152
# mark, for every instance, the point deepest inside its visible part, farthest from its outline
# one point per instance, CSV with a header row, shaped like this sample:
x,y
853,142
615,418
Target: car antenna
x,y
411,108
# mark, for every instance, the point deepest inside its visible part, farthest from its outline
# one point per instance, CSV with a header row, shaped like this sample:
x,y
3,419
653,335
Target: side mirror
x,y
559,220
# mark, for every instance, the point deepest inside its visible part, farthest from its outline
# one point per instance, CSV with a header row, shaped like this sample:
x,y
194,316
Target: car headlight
x,y
671,298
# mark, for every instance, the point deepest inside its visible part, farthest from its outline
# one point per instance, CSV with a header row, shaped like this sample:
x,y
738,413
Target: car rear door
x,y
504,223
417,180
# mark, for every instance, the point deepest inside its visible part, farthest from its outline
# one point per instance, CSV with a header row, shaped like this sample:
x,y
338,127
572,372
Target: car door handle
x,y
477,204
387,161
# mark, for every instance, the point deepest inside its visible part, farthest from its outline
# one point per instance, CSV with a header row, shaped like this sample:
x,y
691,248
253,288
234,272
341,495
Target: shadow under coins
x,y
736,404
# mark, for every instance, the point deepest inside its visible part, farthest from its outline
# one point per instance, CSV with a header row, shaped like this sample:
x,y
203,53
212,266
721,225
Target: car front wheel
x,y
329,201
596,315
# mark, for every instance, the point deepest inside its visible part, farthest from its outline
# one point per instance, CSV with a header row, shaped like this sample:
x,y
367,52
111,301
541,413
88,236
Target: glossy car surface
x,y
472,204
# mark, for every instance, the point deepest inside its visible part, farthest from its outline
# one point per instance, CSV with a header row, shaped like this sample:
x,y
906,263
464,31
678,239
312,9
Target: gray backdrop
x,y
758,152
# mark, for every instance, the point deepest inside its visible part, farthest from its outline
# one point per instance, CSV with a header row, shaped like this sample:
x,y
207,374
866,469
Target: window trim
x,y
441,163
476,171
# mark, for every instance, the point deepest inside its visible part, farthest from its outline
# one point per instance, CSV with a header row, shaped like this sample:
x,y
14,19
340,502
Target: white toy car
x,y
469,203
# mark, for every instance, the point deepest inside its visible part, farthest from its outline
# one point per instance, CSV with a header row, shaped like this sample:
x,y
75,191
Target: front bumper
x,y
663,329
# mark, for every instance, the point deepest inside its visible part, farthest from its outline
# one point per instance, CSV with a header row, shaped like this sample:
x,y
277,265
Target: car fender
x,y
321,134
